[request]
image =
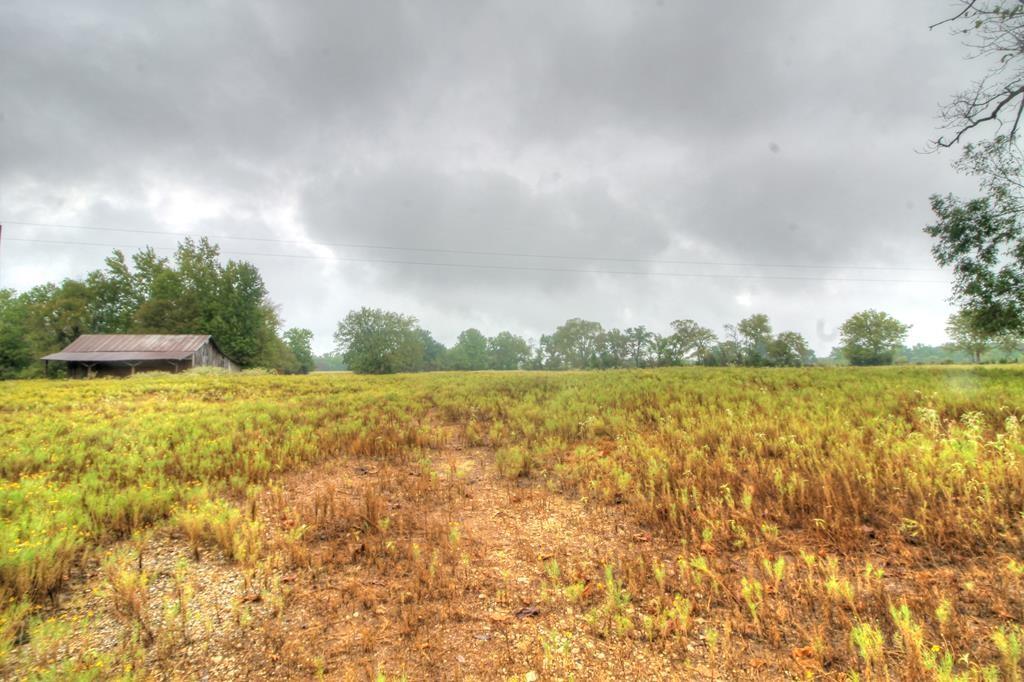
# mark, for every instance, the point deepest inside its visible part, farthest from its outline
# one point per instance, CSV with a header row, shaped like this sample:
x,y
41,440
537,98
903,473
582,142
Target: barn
x,y
120,355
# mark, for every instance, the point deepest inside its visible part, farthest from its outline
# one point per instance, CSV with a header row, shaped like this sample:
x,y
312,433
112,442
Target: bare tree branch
x,y
971,122
993,30
959,15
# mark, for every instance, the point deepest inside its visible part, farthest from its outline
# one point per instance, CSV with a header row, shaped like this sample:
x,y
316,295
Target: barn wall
x,y
209,356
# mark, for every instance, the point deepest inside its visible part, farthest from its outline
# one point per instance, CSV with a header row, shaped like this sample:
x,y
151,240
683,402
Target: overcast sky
x,y
731,138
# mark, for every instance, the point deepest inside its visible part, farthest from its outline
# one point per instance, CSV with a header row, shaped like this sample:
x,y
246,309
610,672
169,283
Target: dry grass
x,y
665,524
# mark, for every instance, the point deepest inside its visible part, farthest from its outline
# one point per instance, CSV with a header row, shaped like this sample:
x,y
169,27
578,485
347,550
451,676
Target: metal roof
x,y
130,347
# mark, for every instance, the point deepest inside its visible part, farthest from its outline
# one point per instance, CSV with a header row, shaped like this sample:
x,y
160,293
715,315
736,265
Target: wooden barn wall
x,y
209,356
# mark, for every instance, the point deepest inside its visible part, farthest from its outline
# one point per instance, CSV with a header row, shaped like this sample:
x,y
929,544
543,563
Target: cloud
x,y
770,134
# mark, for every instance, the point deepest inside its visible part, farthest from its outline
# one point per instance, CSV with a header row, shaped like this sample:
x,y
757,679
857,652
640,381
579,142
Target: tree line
x,y
190,293
375,341
194,293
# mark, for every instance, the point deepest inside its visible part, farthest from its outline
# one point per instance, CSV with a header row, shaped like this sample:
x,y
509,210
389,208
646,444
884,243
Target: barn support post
x,y
133,365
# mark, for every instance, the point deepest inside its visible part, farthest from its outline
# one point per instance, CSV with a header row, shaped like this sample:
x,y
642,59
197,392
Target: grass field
x,y
841,523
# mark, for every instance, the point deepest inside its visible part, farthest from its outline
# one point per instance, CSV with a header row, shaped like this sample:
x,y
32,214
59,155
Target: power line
x,y
470,252
521,268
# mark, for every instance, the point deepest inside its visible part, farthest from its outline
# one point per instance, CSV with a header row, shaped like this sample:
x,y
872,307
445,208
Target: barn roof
x,y
130,347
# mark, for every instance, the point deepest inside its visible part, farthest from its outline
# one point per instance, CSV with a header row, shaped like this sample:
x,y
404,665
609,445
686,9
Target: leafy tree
x,y
168,310
871,337
1009,343
725,353
330,362
375,341
665,354
244,321
15,351
115,296
755,337
691,341
469,351
984,243
508,351
277,355
983,238
641,344
433,351
965,335
57,315
789,349
575,344
198,295
300,341
612,349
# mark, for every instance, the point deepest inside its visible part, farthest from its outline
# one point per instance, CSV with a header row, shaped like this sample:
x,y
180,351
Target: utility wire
x,y
489,266
468,252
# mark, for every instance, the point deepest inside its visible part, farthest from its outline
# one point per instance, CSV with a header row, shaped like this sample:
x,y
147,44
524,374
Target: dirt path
x,y
436,569
496,607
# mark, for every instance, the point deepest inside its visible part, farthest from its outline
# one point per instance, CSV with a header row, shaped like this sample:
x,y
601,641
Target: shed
x,y
124,354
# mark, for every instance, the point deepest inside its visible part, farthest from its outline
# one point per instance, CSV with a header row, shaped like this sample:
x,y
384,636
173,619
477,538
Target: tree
x,y
1009,343
300,342
575,344
375,341
983,238
871,338
433,351
755,336
57,315
965,335
115,296
508,351
242,319
725,353
691,341
985,246
789,349
330,362
15,352
641,344
469,352
665,354
993,32
612,349
277,355
198,295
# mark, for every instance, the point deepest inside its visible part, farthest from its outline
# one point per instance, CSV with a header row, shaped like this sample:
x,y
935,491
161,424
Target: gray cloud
x,y
782,133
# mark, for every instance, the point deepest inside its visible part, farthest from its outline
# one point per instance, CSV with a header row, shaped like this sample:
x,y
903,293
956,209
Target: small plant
x,y
869,643
13,621
128,589
660,573
612,615
753,596
182,592
774,570
574,592
557,648
512,462
910,638
1007,640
